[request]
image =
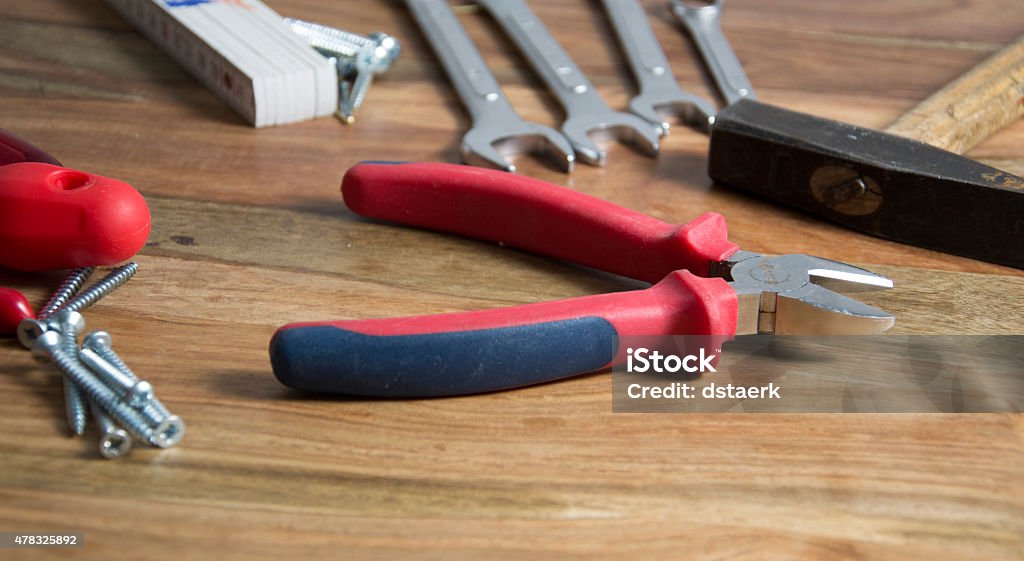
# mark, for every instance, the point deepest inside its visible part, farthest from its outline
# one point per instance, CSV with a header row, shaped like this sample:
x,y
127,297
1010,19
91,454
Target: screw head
x,y
169,432
45,345
140,394
97,340
115,444
379,56
29,330
68,319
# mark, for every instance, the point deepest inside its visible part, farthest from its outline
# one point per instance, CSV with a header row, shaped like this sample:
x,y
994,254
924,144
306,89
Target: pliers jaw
x,y
793,295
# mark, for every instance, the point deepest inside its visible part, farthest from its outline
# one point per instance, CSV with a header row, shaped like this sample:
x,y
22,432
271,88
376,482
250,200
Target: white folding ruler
x,y
243,52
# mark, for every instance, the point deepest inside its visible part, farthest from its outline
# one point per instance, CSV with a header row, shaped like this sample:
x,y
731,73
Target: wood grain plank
x,y
250,233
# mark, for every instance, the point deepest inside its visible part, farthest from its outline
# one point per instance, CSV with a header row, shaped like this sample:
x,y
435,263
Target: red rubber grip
x,y
535,216
681,304
58,218
13,309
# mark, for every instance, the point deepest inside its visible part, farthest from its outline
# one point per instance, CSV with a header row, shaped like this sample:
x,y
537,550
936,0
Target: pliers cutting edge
x,y
703,285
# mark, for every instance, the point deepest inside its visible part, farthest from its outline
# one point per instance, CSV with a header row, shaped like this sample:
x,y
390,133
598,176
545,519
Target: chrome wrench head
x,y
497,129
587,115
583,128
487,145
703,23
793,295
655,105
660,95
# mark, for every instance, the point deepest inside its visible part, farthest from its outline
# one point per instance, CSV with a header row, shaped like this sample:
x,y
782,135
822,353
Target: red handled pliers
x,y
703,286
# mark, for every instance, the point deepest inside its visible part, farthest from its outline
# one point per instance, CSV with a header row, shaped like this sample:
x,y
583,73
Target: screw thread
x,y
105,423
105,286
74,408
332,40
106,372
70,286
359,90
108,354
154,411
102,395
74,402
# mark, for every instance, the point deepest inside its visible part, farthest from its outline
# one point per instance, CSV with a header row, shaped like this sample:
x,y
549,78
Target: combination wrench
x,y
497,131
704,25
586,113
660,94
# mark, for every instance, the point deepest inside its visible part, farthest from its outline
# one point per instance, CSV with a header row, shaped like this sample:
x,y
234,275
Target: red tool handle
x,y
59,218
504,348
473,352
13,309
535,216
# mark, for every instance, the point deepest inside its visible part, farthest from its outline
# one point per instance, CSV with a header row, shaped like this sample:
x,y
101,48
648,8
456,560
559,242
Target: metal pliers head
x,y
793,295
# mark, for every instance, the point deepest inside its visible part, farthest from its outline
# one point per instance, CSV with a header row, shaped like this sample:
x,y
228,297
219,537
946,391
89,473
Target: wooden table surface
x,y
250,233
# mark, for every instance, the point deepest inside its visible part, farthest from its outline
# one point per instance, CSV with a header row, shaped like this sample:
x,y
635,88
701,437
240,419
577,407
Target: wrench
x,y
660,94
497,130
586,112
704,25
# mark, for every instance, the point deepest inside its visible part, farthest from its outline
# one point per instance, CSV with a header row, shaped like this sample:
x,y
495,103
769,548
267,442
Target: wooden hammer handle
x,y
972,107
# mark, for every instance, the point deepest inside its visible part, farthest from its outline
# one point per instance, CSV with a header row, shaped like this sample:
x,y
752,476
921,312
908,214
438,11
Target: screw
x,y
69,324
354,56
168,432
169,429
114,441
29,330
49,347
106,285
99,342
133,391
68,288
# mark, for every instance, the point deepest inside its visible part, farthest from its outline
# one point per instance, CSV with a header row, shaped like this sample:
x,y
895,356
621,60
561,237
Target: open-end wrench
x,y
497,130
586,112
704,24
660,94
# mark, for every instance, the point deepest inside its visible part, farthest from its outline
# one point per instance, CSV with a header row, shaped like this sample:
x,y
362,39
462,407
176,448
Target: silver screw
x,y
69,324
169,429
134,392
355,56
114,441
49,347
74,408
106,285
70,286
100,342
29,330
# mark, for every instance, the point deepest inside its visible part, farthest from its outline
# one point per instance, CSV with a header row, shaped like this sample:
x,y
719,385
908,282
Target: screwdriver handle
x,y
535,216
58,218
491,350
971,108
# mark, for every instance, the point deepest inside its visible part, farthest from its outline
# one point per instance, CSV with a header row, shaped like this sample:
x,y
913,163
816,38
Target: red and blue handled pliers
x,y
703,286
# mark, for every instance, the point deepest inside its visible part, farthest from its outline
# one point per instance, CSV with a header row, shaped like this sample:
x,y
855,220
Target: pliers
x,y
703,285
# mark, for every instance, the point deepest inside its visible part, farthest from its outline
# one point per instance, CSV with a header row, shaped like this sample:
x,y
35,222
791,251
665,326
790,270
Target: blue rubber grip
x,y
324,358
